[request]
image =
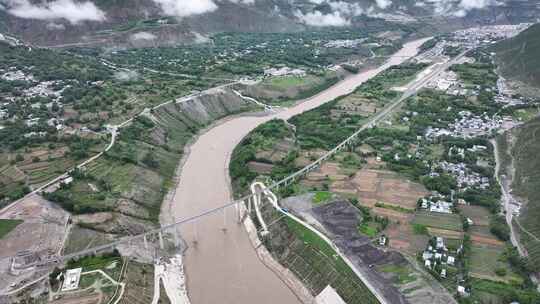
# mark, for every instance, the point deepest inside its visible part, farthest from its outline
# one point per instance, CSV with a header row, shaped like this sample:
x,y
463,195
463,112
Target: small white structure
x,y
427,255
441,207
382,240
443,273
451,260
440,243
461,201
427,263
462,291
72,279
329,296
285,71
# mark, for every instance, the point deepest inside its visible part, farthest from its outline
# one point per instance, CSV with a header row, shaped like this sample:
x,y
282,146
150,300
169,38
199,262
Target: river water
x,y
221,265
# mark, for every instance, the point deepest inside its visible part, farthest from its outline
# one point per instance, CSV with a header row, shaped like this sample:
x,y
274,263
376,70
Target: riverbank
x,y
222,258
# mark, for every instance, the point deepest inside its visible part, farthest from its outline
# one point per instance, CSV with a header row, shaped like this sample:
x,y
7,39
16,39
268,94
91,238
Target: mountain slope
x,y
128,23
518,57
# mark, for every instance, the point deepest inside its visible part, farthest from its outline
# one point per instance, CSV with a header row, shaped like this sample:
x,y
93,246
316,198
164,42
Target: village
x,y
442,219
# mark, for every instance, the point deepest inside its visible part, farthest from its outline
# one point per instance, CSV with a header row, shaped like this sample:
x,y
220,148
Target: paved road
x,y
203,178
413,88
222,261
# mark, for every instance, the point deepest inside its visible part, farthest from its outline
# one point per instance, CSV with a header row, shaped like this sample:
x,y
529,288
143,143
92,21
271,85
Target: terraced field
x,y
313,261
139,280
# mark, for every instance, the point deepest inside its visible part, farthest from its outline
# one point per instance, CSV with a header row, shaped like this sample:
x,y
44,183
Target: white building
x,y
440,243
72,279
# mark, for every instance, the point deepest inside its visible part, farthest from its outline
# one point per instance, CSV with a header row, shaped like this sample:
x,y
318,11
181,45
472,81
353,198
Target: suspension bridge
x,y
249,200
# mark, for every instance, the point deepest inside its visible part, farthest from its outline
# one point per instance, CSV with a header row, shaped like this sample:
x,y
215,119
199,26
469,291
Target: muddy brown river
x,y
221,265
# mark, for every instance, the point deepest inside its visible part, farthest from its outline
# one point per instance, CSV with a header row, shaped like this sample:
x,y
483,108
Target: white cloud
x,y
184,8
459,8
383,4
476,4
143,36
73,11
243,1
350,9
200,38
126,75
319,19
55,26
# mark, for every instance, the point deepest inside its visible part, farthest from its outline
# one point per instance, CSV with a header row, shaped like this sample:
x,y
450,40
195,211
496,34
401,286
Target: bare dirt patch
x,y
477,239
393,214
375,186
402,238
260,168
42,230
372,186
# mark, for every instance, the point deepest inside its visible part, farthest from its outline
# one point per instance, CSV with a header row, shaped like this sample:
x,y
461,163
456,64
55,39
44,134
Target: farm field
x,y
7,225
486,260
386,187
32,167
439,220
139,279
284,90
479,215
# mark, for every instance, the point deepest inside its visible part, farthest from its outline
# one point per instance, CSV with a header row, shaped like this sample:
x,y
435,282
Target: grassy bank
x,y
313,261
6,226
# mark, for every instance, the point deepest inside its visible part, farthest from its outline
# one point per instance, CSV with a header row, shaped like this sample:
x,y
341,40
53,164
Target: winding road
x,y
221,265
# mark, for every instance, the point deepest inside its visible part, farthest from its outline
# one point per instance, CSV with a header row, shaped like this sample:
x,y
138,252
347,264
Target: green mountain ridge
x,y
518,57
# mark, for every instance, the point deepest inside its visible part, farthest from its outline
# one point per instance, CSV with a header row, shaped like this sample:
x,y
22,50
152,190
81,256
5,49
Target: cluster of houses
x,y
438,254
284,71
464,176
38,89
435,204
45,89
3,110
471,125
468,126
437,258
13,74
488,34
49,89
344,43
448,82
